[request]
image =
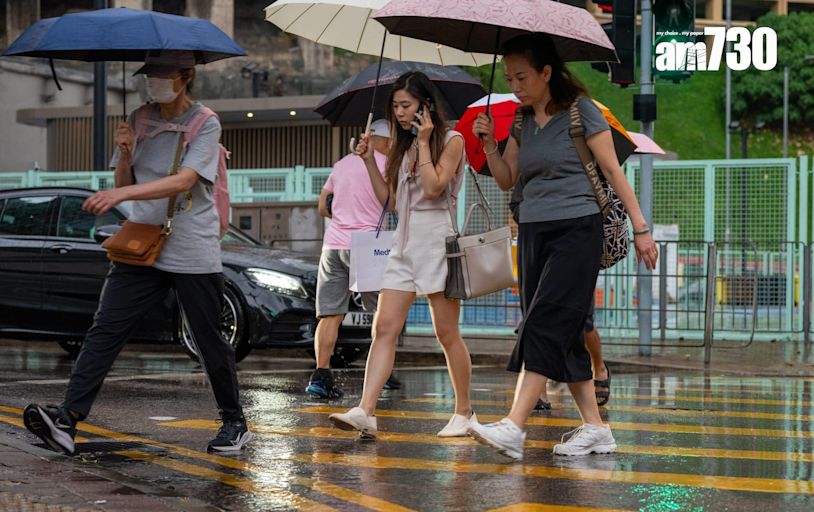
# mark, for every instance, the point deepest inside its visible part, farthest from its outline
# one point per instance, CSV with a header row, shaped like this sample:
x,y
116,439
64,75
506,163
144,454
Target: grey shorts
x,y
333,285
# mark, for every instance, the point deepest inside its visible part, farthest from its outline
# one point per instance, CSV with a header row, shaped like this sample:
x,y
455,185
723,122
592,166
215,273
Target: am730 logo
x,y
758,49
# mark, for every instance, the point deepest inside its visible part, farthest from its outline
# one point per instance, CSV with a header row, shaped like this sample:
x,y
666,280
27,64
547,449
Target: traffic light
x,y
622,33
674,22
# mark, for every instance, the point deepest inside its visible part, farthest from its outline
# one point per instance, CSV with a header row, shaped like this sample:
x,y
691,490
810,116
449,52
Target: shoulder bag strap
x,y
577,132
171,204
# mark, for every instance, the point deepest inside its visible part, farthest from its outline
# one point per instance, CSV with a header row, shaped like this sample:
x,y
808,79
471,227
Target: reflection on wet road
x,y
687,441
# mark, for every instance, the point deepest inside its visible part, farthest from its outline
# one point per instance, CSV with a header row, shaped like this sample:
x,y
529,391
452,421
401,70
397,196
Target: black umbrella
x,y
349,103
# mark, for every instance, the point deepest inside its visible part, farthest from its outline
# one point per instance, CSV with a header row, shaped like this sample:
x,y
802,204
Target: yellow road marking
x,y
563,422
539,507
727,483
640,408
734,390
320,486
281,496
397,437
709,399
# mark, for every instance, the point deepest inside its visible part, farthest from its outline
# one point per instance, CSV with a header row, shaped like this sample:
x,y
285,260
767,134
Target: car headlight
x,y
277,282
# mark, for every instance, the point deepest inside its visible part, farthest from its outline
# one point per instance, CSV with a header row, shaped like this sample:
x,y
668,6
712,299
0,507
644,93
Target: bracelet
x,y
487,153
643,231
425,163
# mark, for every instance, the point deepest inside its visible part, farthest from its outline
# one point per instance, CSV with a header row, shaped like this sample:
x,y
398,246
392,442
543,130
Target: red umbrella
x,y
503,108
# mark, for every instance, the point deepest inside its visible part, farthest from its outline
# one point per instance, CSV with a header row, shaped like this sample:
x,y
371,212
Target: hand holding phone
x,y
421,122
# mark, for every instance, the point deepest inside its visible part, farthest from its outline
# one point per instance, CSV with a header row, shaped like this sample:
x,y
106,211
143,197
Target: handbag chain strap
x,y
577,132
484,204
171,204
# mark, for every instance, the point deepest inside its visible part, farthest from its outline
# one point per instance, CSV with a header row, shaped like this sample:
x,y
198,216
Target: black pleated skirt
x,y
558,266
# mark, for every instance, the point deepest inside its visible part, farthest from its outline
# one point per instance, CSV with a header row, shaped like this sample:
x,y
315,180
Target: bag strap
x,y
483,203
171,204
382,216
577,132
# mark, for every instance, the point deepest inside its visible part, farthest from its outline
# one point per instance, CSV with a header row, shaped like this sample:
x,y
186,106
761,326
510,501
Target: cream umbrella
x,y
348,24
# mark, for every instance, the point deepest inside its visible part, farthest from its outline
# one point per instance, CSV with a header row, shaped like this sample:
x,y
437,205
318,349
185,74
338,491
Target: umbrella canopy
x,y
484,25
348,104
347,24
503,108
645,145
122,34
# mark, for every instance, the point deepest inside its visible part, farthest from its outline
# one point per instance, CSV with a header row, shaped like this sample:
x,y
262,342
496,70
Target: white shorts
x,y
420,265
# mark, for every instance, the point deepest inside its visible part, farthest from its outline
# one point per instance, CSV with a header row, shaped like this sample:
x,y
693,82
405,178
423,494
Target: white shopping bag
x,y
368,259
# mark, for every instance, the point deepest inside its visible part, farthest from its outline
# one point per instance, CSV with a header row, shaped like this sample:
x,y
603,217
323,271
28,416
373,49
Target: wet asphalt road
x,y
687,441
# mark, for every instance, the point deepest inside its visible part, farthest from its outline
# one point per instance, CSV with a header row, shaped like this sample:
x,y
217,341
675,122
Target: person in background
x,y
353,207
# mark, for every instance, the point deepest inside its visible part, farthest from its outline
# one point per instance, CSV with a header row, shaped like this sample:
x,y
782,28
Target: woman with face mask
x,y
189,262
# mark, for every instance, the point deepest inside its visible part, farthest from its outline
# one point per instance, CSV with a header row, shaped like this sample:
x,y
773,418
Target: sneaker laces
x,y
229,430
572,434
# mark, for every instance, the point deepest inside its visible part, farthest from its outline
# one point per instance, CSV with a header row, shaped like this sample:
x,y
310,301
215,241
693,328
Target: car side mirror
x,y
102,233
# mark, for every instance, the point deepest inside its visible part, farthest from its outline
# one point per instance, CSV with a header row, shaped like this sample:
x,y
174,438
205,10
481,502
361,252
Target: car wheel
x,y
232,325
344,355
71,346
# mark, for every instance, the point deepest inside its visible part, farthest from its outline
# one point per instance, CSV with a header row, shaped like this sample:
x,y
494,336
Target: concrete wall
x,y
25,83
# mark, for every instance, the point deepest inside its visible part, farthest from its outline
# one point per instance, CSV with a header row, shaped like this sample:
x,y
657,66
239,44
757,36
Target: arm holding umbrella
x,y
601,145
503,167
382,189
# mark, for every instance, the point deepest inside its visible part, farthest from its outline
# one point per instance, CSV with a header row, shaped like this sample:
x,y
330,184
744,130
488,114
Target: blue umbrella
x,y
122,34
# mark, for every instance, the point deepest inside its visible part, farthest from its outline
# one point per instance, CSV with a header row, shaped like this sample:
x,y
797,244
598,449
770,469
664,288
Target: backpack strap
x,y
141,116
577,132
516,130
194,125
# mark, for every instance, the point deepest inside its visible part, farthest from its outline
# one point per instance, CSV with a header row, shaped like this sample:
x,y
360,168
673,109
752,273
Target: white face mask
x,y
160,89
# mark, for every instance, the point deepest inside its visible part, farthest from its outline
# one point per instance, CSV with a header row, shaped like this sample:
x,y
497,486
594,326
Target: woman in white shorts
x,y
424,173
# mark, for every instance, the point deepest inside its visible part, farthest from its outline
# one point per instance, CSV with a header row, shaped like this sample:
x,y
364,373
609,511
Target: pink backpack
x,y
145,126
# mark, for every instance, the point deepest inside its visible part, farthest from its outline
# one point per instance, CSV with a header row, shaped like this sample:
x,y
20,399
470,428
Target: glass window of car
x,y
26,216
74,222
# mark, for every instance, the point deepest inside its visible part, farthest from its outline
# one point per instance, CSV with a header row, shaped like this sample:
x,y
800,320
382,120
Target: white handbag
x,y
478,264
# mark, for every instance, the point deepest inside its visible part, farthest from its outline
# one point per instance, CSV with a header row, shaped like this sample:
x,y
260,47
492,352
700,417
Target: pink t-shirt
x,y
355,206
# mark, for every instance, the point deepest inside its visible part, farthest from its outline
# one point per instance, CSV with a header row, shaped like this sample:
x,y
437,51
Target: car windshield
x,y
236,237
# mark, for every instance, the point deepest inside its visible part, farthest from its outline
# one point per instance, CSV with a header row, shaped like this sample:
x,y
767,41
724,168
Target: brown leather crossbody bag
x,y
140,244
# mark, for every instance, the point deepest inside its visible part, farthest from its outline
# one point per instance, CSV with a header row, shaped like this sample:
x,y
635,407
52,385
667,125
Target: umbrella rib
x,y
303,13
362,33
329,23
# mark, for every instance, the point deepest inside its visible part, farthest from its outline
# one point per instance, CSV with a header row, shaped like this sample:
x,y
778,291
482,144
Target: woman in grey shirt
x,y
560,237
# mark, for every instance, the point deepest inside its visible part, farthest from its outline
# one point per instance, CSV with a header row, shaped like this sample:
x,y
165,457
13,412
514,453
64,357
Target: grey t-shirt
x,y
193,247
556,186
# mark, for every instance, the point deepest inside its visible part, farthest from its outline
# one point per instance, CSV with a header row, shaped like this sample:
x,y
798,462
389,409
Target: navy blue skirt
x,y
558,266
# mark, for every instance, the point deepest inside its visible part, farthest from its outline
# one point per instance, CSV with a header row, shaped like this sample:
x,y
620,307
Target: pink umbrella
x,y
645,144
483,25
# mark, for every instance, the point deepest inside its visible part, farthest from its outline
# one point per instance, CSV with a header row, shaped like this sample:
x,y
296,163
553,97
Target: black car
x,y
52,269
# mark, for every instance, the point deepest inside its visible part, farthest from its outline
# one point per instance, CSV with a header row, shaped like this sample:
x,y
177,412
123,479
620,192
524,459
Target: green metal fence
x,y
756,212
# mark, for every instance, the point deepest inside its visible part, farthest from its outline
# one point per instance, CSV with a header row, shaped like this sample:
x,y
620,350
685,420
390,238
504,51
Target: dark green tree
x,y
758,95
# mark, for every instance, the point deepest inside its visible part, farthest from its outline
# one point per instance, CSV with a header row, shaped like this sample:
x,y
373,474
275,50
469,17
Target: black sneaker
x,y
52,424
542,405
233,434
392,383
322,385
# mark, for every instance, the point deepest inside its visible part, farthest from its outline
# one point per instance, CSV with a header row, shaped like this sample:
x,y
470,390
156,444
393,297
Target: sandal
x,y
542,405
603,395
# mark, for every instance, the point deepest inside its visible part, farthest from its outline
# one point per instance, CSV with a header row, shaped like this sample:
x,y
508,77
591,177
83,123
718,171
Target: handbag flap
x,y
487,237
134,238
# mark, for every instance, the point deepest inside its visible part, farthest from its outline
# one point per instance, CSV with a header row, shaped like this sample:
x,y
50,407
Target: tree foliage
x,y
758,95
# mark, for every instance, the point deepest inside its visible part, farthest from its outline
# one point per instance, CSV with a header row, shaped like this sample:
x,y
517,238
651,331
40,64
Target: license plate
x,y
357,319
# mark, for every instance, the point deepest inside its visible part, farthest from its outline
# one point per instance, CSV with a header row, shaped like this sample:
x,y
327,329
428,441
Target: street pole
x,y
744,139
99,107
785,112
728,92
644,279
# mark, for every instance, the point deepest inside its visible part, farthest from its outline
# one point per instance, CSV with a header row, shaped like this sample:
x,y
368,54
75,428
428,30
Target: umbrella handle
x,y
352,143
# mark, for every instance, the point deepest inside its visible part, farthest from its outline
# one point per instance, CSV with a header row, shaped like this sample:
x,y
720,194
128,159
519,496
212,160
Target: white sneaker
x,y
458,426
504,435
585,440
356,419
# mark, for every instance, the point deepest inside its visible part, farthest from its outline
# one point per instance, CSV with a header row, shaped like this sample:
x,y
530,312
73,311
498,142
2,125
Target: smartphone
x,y
420,112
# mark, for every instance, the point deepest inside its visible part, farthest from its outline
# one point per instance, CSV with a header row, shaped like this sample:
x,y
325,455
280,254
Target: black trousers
x,y
128,294
558,266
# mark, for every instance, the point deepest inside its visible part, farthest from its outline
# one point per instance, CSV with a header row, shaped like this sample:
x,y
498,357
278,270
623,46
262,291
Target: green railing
x,y
734,204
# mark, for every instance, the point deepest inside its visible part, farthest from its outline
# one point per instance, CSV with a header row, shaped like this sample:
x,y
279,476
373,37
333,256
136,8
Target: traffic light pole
x,y
644,282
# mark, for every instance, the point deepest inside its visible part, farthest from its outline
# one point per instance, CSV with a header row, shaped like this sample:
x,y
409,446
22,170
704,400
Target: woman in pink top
x,y
424,169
